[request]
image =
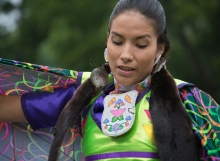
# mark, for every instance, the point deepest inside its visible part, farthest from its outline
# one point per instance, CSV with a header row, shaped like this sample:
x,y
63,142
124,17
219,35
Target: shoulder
x,y
193,94
204,113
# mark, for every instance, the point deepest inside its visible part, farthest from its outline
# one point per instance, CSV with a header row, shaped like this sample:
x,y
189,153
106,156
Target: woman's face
x,y
132,48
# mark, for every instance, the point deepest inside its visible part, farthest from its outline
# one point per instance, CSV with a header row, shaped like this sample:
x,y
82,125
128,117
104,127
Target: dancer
x,y
142,113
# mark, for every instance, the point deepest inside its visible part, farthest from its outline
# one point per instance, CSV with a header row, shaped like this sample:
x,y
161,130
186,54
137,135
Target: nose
x,y
127,54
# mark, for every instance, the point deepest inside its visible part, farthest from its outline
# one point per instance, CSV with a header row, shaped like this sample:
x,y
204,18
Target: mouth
x,y
125,68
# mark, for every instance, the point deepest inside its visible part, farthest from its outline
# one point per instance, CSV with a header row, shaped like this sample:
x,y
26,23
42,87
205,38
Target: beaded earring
x,y
158,59
158,64
106,55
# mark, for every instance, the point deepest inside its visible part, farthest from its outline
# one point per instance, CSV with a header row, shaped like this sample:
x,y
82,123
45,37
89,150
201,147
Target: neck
x,y
139,87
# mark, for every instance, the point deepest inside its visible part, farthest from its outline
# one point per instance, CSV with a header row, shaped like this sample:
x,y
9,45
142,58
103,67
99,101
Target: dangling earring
x,y
106,55
158,64
157,60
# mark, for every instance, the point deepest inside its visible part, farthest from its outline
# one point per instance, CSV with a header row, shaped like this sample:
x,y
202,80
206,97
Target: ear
x,y
160,49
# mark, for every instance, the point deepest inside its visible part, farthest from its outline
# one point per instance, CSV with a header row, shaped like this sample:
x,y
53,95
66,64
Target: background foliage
x,y
69,33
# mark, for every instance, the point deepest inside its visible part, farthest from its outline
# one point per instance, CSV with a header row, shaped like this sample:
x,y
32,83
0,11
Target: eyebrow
x,y
117,34
139,37
143,36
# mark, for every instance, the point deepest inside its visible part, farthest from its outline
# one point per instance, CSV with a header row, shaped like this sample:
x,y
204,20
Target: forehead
x,y
131,22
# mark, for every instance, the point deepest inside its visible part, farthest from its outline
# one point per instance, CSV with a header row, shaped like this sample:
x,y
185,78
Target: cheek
x,y
109,50
112,64
110,57
150,56
113,54
146,63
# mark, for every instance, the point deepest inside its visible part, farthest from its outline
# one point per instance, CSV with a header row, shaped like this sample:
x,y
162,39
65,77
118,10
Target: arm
x,y
40,109
10,109
18,78
204,113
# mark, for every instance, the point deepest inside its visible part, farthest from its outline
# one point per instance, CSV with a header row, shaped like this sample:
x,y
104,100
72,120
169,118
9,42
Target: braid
x,y
172,126
74,107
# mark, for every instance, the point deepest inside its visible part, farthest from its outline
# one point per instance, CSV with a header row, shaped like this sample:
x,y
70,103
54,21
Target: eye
x,y
117,42
141,46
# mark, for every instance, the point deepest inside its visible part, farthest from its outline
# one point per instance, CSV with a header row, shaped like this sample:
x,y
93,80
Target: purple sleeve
x,y
42,109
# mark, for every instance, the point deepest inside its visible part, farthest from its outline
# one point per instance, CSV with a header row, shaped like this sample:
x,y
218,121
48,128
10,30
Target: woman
x,y
170,120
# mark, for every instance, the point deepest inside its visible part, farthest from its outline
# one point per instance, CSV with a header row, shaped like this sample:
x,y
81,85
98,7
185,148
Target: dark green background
x,y
67,34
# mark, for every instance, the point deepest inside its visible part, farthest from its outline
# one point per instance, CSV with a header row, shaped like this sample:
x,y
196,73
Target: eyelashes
x,y
137,45
117,43
141,46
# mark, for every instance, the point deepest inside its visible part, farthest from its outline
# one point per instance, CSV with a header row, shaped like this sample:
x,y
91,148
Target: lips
x,y
125,68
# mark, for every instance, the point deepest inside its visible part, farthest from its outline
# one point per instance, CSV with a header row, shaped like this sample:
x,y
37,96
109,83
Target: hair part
x,y
151,9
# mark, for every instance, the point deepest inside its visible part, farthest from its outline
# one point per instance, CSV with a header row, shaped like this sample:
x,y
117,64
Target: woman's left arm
x,y
204,112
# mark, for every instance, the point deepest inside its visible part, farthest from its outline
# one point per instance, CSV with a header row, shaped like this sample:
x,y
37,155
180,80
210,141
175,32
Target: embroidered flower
x,y
128,118
116,127
118,112
119,103
105,121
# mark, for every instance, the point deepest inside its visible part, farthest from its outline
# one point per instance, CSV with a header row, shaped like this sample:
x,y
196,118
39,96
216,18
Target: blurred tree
x,y
63,33
68,34
193,29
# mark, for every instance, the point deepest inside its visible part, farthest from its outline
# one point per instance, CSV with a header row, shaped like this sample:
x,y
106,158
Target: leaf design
x,y
120,118
114,119
121,127
110,129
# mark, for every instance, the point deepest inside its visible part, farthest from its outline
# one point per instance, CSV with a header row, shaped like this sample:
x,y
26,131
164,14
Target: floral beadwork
x,y
119,113
119,103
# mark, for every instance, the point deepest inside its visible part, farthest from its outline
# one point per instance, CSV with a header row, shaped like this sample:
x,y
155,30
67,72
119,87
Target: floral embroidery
x,y
128,118
118,112
117,117
106,121
119,103
116,127
112,101
128,98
